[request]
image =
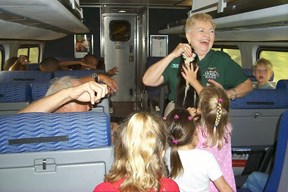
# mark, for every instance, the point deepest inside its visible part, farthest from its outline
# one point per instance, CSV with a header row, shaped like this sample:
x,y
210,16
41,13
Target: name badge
x,y
175,66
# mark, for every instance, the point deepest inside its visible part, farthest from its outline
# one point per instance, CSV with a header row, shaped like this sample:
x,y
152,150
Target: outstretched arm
x,y
111,83
239,91
83,93
64,65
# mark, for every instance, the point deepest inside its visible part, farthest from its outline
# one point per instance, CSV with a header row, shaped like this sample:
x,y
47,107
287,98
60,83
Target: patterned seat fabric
x,y
262,99
15,92
33,132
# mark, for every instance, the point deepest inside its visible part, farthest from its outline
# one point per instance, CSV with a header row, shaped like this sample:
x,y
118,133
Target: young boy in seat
x,y
263,71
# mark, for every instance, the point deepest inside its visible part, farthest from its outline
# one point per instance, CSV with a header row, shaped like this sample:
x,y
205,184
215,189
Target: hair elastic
x,y
220,100
190,118
174,141
176,117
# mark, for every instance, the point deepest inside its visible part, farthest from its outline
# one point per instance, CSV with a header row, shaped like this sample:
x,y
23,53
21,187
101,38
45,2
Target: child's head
x,y
49,64
214,107
91,60
263,71
181,132
139,152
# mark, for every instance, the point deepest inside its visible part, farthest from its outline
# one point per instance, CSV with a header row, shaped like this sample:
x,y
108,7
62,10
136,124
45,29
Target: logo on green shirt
x,y
175,65
211,73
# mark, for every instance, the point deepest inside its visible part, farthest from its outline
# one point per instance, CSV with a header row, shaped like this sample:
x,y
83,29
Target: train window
x,y
120,30
279,60
32,51
233,52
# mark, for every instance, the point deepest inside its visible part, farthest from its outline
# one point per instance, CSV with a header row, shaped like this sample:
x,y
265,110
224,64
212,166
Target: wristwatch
x,y
96,77
235,95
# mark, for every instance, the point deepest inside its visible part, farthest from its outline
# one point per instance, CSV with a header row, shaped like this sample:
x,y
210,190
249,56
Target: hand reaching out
x,y
113,71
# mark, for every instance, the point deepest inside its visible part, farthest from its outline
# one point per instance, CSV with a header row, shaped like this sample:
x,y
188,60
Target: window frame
x,y
29,47
2,61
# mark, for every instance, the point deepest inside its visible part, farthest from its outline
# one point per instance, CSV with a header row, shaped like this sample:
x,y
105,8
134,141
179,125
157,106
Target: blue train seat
x,y
262,99
76,73
278,177
282,84
33,67
39,90
255,116
27,76
38,150
14,96
255,119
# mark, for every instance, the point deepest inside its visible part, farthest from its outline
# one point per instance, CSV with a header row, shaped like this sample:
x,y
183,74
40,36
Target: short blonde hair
x,y
139,149
263,62
204,17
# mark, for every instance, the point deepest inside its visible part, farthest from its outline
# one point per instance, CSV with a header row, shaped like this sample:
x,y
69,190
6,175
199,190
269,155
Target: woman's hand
x,y
183,48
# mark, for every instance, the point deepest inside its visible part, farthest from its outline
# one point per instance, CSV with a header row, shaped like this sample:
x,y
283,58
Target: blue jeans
x,y
256,181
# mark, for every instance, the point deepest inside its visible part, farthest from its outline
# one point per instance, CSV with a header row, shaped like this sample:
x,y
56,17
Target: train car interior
x,y
131,35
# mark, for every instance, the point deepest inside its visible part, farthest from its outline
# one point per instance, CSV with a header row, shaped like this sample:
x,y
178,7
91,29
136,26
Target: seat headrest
x,y
249,73
26,76
76,73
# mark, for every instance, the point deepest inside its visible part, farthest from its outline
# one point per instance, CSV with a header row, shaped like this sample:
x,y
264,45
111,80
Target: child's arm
x,y
222,185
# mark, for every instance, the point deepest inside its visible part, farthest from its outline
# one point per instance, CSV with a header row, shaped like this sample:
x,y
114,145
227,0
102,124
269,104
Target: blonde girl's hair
x,y
214,107
181,128
139,153
203,17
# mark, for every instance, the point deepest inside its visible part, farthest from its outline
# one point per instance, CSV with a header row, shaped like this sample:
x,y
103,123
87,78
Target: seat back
x,y
255,119
282,84
257,113
280,158
33,67
38,150
14,96
26,76
39,90
262,99
67,131
76,73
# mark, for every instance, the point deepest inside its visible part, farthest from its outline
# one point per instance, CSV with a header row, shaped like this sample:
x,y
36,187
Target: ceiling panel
x,y
152,3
